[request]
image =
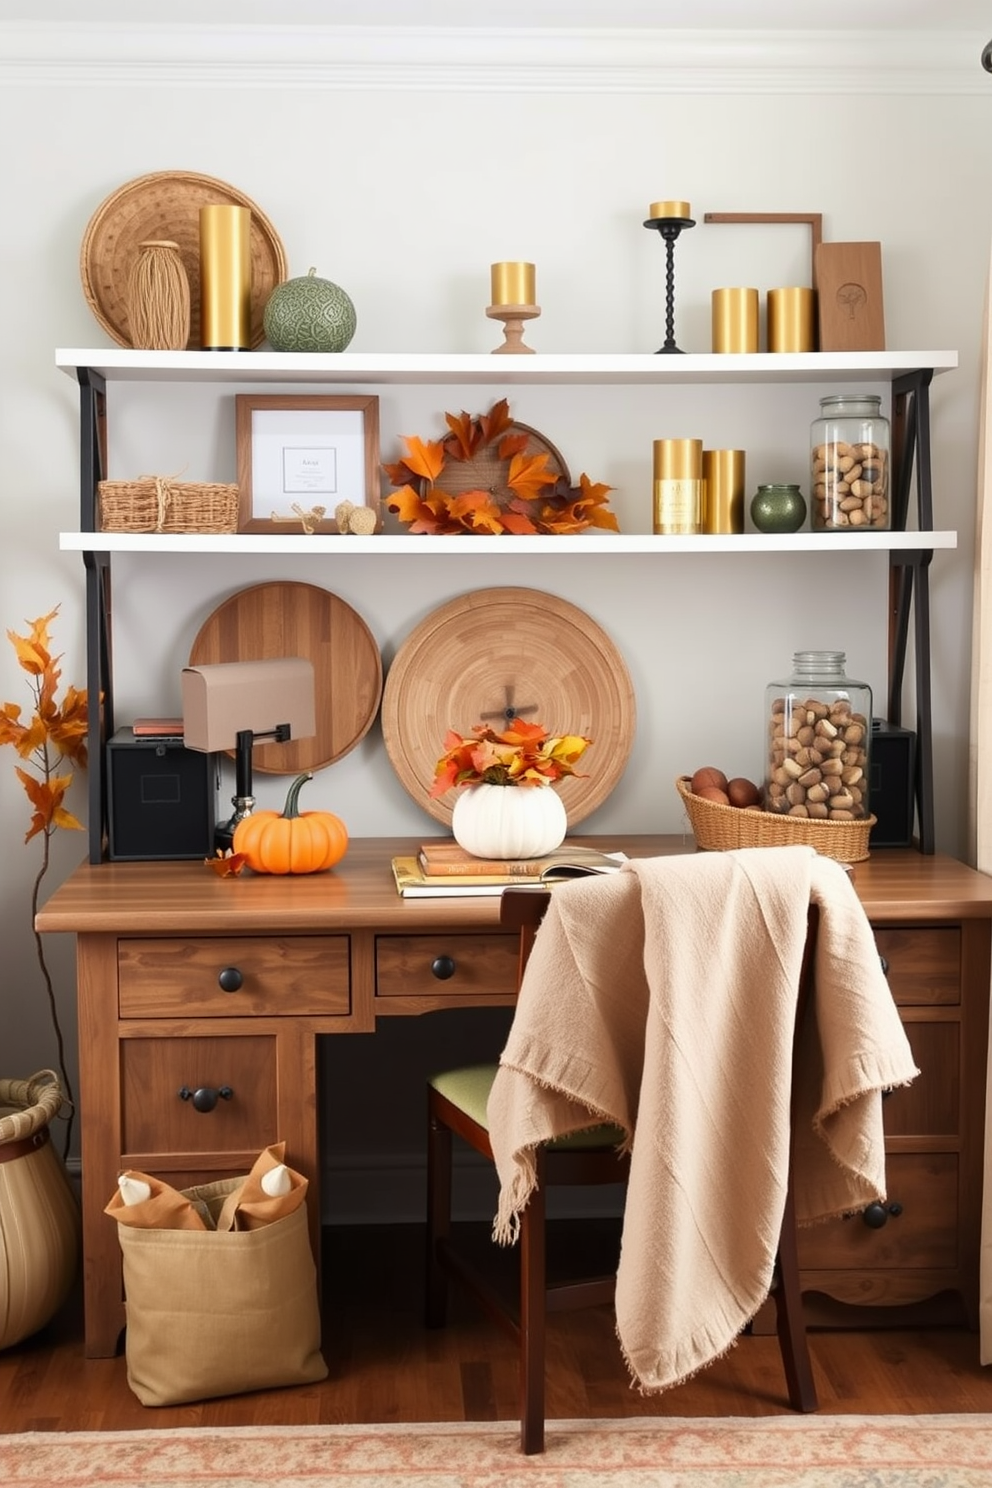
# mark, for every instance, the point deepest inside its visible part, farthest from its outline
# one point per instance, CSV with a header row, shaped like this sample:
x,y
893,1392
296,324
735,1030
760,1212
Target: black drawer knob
x,y
206,1097
443,967
884,964
876,1215
230,979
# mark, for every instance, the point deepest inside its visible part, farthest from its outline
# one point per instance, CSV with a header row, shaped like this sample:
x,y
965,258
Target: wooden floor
x,y
385,1366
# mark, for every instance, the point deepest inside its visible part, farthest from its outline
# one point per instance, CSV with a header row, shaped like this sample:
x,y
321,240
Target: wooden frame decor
x,y
308,464
814,220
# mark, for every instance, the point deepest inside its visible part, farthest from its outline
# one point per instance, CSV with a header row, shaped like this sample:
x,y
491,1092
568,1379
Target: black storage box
x,y
891,784
160,799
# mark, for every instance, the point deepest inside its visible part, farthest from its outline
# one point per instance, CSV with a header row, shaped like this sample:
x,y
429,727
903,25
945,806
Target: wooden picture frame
x,y
300,457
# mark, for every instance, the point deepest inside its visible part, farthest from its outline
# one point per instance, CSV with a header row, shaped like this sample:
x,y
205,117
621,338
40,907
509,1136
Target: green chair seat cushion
x,y
468,1089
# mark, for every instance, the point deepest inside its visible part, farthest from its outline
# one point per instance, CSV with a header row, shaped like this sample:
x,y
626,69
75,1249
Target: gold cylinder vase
x,y
791,319
158,306
225,278
678,486
735,320
723,491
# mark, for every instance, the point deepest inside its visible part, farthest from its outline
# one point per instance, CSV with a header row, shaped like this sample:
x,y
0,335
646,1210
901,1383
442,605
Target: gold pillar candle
x,y
723,491
735,320
670,209
225,278
513,284
678,481
791,319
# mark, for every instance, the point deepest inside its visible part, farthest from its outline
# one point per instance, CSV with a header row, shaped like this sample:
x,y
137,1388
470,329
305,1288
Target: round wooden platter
x,y
290,619
494,653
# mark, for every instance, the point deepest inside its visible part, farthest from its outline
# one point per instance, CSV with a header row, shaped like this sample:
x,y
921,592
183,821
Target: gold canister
x,y
791,319
513,283
723,491
735,319
678,482
225,278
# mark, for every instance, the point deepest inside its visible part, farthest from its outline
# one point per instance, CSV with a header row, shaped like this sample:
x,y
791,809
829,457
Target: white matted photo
x,y
305,463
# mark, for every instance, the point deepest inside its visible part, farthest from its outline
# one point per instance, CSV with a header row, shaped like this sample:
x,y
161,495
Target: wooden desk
x,y
192,983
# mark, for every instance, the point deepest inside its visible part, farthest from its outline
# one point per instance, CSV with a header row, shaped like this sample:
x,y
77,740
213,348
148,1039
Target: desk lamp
x,y
231,704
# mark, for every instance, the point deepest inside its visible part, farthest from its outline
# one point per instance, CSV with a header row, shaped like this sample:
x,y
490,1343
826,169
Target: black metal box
x,y
160,799
891,784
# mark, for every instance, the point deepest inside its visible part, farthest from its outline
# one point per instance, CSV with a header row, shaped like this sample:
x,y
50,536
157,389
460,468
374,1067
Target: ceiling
x,y
693,15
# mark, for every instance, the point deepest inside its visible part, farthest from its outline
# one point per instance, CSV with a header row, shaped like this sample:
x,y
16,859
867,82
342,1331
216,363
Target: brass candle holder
x,y
670,219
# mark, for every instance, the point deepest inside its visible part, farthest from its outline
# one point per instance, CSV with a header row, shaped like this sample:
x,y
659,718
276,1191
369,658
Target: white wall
x,y
403,184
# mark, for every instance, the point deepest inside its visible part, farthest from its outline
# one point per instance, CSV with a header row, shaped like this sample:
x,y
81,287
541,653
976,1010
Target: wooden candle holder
x,y
513,317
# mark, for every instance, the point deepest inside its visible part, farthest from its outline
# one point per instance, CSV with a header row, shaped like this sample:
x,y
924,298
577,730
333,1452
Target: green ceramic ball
x,y
778,508
309,314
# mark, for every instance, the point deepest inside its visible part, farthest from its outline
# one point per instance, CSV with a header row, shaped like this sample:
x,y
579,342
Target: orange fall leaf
x,y
424,459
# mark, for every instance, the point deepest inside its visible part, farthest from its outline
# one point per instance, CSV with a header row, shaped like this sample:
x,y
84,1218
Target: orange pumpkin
x,y
292,841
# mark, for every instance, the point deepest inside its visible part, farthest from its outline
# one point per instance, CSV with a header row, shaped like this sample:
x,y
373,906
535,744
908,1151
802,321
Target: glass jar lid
x,y
851,402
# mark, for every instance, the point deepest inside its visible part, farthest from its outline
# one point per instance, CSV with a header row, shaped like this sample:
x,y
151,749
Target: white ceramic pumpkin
x,y
509,821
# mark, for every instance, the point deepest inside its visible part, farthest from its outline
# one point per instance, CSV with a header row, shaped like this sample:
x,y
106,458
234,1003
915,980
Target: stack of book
x,y
443,869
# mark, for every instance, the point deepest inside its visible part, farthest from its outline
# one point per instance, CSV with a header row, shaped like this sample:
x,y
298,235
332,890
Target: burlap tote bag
x,y
220,1312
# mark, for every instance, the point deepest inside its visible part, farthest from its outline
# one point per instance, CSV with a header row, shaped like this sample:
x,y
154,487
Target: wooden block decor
x,y
849,282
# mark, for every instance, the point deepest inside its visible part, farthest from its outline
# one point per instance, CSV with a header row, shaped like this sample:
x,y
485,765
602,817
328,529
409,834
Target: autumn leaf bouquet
x,y
523,754
485,477
53,733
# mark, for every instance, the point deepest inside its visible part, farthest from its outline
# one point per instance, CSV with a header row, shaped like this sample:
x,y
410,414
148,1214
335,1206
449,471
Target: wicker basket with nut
x,y
720,825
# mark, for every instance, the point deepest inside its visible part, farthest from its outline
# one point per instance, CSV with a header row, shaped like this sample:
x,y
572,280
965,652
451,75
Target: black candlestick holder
x,y
670,228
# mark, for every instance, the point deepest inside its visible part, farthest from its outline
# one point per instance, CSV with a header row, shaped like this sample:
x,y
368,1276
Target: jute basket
x,y
39,1215
721,828
157,503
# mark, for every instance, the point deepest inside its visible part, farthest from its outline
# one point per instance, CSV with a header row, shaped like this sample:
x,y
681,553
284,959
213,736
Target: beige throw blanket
x,y
662,998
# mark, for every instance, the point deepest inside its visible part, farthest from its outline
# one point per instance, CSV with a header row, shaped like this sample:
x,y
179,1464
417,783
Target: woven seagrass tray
x,y
721,828
155,503
166,204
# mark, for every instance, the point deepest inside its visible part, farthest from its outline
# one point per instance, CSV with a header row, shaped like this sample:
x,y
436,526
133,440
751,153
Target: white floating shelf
x,y
503,547
379,367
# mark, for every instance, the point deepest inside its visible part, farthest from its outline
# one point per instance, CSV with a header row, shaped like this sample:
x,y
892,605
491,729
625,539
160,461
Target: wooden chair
x,y
457,1106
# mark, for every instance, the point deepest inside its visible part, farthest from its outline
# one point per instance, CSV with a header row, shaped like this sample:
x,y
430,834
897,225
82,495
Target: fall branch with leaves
x,y
532,498
53,734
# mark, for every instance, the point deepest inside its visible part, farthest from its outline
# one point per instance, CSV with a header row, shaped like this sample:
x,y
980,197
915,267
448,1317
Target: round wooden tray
x,y
289,619
487,472
493,652
166,204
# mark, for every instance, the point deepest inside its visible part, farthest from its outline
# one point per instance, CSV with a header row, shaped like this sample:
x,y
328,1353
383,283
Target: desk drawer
x,y
273,975
923,1235
924,963
442,965
238,1075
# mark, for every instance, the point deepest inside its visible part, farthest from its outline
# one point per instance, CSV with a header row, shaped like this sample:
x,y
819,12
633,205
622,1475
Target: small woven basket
x,y
721,828
156,503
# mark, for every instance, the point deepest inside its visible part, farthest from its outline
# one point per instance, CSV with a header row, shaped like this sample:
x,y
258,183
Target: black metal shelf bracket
x,y
99,667
909,583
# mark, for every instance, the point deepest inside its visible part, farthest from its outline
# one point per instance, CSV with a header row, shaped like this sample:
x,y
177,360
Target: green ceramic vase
x,y
778,508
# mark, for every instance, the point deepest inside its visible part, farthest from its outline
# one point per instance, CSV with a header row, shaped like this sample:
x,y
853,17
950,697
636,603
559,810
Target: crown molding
x,y
495,60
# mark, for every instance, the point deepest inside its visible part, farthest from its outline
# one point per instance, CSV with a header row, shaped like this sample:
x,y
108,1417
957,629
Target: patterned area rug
x,y
770,1452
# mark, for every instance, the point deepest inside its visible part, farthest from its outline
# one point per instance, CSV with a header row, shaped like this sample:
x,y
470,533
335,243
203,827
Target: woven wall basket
x,y
155,503
166,205
39,1216
725,827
